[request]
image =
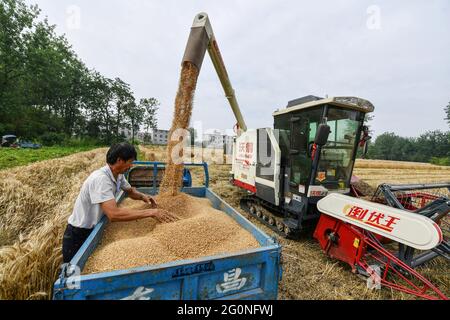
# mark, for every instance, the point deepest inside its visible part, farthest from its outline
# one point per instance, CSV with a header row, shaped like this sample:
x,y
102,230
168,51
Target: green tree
x,y
447,113
121,103
100,120
150,107
46,91
16,21
432,144
135,113
382,148
56,78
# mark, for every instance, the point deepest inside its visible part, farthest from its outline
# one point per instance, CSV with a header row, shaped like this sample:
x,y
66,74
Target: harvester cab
x,y
310,153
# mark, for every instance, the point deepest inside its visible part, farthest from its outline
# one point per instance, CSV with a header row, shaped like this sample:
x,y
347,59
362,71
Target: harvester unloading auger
x,y
298,176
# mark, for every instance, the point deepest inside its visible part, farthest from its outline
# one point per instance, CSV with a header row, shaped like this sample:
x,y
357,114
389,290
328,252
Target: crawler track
x,y
270,216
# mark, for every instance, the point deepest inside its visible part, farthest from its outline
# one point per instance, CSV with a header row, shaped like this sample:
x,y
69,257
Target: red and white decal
x,y
317,191
245,151
374,218
399,225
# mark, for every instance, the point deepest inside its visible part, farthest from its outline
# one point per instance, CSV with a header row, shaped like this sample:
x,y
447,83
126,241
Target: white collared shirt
x,y
99,187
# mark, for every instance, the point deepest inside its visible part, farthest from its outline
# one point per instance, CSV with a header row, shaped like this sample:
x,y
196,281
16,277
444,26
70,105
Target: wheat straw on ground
x,y
29,264
35,202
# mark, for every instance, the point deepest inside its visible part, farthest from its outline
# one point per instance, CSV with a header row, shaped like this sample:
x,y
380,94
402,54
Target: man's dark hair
x,y
124,151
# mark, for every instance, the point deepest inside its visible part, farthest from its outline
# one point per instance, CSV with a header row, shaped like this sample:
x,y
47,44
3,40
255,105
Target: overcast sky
x,y
395,54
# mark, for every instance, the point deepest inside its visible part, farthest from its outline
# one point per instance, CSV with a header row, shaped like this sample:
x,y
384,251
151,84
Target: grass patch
x,y
140,154
11,157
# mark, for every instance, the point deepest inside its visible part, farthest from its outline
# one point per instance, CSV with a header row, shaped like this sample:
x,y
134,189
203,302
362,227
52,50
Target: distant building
x,y
140,136
128,134
228,143
213,140
159,136
217,140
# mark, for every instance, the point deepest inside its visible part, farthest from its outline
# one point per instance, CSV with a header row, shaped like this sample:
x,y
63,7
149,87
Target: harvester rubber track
x,y
269,215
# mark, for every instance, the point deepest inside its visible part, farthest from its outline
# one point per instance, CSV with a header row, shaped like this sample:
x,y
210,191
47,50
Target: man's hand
x,y
161,215
114,213
149,200
136,195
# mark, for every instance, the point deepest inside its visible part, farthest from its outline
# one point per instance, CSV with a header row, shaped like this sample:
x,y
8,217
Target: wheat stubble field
x,y
36,200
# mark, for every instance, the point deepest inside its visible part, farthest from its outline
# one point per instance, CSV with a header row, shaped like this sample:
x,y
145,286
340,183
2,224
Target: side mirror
x,y
323,131
365,148
365,140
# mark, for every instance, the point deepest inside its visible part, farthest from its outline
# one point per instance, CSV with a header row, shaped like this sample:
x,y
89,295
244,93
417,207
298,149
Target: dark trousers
x,y
73,240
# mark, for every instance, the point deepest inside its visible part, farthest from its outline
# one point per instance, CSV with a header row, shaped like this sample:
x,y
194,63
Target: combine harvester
x,y
298,177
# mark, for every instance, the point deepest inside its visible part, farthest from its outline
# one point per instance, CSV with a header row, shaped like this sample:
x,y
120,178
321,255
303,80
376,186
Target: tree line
x,y
432,146
48,94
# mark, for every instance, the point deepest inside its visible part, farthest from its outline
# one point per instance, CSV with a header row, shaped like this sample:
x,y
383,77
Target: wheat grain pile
x,y
35,202
184,100
200,231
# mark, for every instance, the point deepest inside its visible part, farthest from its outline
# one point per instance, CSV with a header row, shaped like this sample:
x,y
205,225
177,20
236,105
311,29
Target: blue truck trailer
x,y
248,274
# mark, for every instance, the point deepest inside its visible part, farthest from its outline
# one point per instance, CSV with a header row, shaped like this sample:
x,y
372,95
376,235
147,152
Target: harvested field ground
x,y
307,272
375,172
36,200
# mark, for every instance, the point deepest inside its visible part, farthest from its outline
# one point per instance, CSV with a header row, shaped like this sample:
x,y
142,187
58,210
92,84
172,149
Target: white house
x,y
128,134
217,140
159,136
213,140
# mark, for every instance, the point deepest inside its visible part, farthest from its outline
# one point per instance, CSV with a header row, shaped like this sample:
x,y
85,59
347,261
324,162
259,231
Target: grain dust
x,y
171,182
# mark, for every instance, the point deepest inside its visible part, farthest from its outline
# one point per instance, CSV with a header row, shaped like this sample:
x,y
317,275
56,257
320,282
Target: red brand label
x,y
373,218
245,151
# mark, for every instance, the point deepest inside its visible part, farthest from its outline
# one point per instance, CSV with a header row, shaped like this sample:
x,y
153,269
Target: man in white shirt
x,y
97,197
